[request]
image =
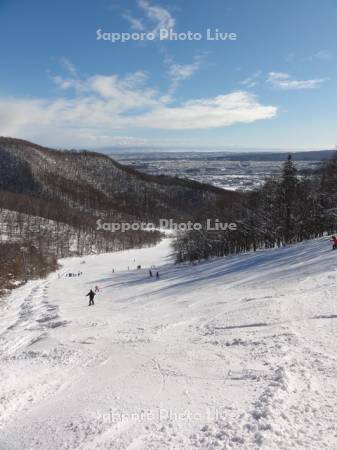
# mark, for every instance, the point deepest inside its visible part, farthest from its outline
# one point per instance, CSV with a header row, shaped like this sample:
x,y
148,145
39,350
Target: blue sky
x,y
273,87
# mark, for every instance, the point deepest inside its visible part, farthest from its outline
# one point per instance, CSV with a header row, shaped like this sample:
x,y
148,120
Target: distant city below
x,y
235,171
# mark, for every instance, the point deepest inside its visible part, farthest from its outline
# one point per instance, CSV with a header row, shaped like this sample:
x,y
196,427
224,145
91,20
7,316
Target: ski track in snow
x,y
233,353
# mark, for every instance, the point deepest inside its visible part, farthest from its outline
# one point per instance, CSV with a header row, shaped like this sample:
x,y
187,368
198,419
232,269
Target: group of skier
x,y
151,274
91,294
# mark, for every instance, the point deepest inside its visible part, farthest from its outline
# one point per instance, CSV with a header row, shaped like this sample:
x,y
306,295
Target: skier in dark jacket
x,y
91,296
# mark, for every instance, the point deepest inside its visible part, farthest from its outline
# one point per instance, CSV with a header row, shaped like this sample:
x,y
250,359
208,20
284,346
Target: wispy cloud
x,y
154,19
322,55
252,81
159,16
71,80
285,81
181,72
135,22
69,66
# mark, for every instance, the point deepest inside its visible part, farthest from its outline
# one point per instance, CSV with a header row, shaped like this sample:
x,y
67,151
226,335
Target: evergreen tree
x,y
287,198
328,193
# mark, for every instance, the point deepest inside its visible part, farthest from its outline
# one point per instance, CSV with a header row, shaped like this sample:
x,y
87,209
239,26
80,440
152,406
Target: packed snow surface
x,y
233,353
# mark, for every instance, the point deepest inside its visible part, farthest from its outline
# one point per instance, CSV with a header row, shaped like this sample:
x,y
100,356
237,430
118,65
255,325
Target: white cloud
x,y
135,22
124,94
16,114
220,111
252,81
284,81
322,55
155,18
97,107
62,83
181,72
69,66
249,82
159,16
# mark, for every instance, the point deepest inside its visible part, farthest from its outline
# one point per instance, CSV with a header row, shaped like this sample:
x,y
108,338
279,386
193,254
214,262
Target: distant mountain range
x,y
312,155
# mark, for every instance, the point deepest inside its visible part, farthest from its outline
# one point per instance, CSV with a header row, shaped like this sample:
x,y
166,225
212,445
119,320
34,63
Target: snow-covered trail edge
x,y
234,353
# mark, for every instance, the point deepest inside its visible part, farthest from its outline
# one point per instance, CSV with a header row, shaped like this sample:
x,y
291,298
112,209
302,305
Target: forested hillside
x,y
21,261
287,209
94,183
52,199
75,188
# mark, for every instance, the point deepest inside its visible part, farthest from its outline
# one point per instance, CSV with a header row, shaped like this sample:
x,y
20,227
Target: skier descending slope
x,y
91,296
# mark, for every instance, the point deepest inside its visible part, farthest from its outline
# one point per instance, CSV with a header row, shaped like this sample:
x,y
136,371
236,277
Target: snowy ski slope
x,y
234,353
